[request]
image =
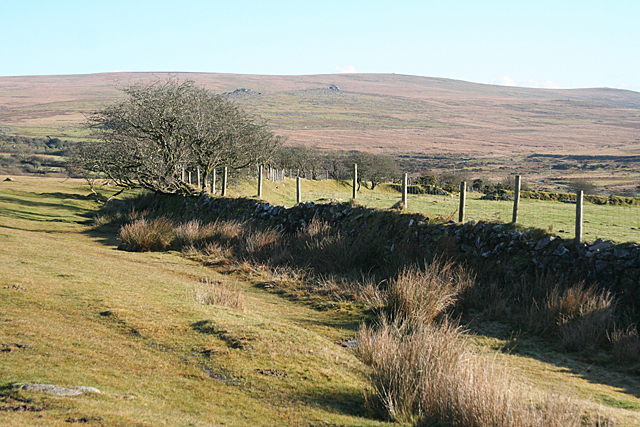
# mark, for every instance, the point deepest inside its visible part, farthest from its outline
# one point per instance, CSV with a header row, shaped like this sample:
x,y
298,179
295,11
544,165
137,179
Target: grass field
x,y
87,314
617,223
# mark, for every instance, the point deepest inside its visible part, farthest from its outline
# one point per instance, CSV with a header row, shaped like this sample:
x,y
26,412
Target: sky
x,y
546,44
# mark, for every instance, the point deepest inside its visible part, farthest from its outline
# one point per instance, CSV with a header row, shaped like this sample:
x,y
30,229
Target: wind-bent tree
x,y
161,127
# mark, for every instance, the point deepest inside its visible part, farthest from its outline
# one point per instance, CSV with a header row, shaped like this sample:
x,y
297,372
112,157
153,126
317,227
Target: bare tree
x,y
374,168
161,127
301,157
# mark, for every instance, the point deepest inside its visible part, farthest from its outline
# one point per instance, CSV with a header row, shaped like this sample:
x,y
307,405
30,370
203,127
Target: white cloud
x,y
503,81
347,69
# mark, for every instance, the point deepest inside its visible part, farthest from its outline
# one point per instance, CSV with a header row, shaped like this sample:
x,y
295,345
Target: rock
x,y
544,242
87,389
622,253
601,265
600,245
49,388
561,251
466,248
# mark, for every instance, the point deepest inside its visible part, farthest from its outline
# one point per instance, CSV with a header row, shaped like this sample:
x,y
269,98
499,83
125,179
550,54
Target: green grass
x,y
122,322
125,323
617,223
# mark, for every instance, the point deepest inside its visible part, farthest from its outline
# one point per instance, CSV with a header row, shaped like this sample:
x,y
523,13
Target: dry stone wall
x,y
496,251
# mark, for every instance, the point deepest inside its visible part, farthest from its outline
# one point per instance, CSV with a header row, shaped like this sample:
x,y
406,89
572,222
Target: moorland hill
x,y
395,114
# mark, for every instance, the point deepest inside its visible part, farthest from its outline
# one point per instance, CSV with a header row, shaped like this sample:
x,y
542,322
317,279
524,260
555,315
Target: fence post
x,y
260,172
189,174
199,183
224,182
298,191
579,202
213,181
463,201
405,187
355,181
182,174
516,200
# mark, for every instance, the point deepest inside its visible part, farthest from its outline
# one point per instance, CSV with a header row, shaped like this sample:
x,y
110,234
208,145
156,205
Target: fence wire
x,y
607,217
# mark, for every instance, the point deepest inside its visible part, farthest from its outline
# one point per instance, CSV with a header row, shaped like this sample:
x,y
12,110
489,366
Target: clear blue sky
x,y
526,43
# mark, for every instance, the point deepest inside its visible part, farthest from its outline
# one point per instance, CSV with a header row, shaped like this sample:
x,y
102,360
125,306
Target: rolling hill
x,y
394,114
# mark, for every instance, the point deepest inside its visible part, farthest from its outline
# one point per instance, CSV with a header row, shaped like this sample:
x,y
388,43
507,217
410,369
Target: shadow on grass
x,y
30,203
548,351
347,401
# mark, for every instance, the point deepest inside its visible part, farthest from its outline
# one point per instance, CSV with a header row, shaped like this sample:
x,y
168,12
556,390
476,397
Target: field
x,y
618,223
76,311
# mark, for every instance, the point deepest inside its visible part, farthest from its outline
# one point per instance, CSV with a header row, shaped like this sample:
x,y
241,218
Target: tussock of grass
x,y
429,375
144,235
582,316
420,296
210,292
626,345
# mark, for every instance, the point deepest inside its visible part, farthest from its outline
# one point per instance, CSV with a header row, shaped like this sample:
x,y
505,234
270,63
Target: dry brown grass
x,y
626,345
582,316
214,292
144,235
421,295
431,376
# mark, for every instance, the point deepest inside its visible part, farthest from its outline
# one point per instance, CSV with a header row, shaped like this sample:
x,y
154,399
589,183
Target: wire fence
x,y
609,217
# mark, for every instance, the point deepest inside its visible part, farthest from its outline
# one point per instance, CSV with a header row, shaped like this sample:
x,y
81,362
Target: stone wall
x,y
496,251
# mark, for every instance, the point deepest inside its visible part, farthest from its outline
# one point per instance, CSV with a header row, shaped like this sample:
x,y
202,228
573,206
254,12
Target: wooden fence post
x,y
213,182
405,187
260,172
463,201
355,181
298,191
189,174
516,199
579,202
199,182
224,182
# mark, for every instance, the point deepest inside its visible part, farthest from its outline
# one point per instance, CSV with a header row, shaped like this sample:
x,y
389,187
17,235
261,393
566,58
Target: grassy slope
x,y
91,315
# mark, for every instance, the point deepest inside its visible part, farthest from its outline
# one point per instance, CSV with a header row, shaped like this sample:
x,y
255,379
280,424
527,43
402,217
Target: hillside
x,y
78,312
395,114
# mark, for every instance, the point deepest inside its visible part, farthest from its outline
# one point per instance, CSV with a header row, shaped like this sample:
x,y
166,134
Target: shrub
x,y
146,235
